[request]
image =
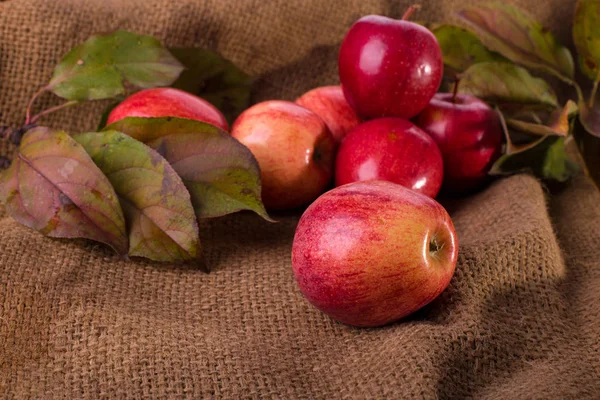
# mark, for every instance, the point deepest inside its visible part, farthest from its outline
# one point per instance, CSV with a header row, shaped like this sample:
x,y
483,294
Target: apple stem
x,y
455,91
410,11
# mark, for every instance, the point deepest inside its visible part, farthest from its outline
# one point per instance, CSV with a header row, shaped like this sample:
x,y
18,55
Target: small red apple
x,y
168,102
390,149
294,149
469,135
370,253
329,103
388,67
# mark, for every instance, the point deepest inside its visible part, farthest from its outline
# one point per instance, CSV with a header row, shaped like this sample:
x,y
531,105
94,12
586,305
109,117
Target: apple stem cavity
x,y
410,11
435,247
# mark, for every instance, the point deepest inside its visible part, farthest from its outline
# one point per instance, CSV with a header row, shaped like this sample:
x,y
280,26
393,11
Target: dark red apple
x,y
390,149
168,102
469,135
370,253
329,103
389,68
294,149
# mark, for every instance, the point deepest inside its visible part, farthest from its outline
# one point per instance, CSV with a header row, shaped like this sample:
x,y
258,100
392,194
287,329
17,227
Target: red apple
x,y
469,135
390,149
168,102
294,149
329,103
370,253
389,68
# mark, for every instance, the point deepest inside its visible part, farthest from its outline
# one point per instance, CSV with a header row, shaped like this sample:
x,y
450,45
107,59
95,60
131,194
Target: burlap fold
x,y
520,320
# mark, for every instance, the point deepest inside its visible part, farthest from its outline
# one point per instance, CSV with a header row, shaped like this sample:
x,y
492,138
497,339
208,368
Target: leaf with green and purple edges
x,y
586,36
97,68
159,214
558,123
215,79
590,118
513,33
220,173
547,159
461,48
54,187
507,84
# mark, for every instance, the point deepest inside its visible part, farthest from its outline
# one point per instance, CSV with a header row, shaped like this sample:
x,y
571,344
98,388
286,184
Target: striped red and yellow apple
x,y
168,102
370,253
329,103
294,149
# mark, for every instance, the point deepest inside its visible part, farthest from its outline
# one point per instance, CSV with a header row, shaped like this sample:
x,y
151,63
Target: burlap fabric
x,y
520,320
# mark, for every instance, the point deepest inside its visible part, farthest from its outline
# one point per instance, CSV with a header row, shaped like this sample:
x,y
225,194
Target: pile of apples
x,y
378,246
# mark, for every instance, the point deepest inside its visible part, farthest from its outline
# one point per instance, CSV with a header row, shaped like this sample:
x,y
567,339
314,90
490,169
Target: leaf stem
x,y
536,118
509,145
14,135
592,98
30,105
410,11
52,109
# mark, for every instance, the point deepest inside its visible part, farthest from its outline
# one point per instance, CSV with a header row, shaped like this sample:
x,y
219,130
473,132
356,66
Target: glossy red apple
x,y
168,102
294,149
389,68
390,149
370,253
329,103
469,135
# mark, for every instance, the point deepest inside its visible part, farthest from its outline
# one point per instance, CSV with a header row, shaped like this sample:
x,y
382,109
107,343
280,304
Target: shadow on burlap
x,y
520,320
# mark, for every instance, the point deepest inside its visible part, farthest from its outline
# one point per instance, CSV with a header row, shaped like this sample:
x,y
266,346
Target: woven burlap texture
x,y
520,320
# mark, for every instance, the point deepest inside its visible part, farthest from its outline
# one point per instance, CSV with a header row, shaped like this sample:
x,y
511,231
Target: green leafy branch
x,y
140,185
503,58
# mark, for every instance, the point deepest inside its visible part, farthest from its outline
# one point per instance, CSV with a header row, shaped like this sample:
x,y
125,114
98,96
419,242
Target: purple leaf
x,y
54,187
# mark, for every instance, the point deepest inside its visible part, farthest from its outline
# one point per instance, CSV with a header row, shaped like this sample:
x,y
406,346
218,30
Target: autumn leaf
x,y
220,173
513,33
54,187
157,207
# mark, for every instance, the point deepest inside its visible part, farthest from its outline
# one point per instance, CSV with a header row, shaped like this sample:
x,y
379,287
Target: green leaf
x,y
548,159
215,79
461,48
513,33
220,173
586,35
54,187
96,68
159,214
507,84
557,124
